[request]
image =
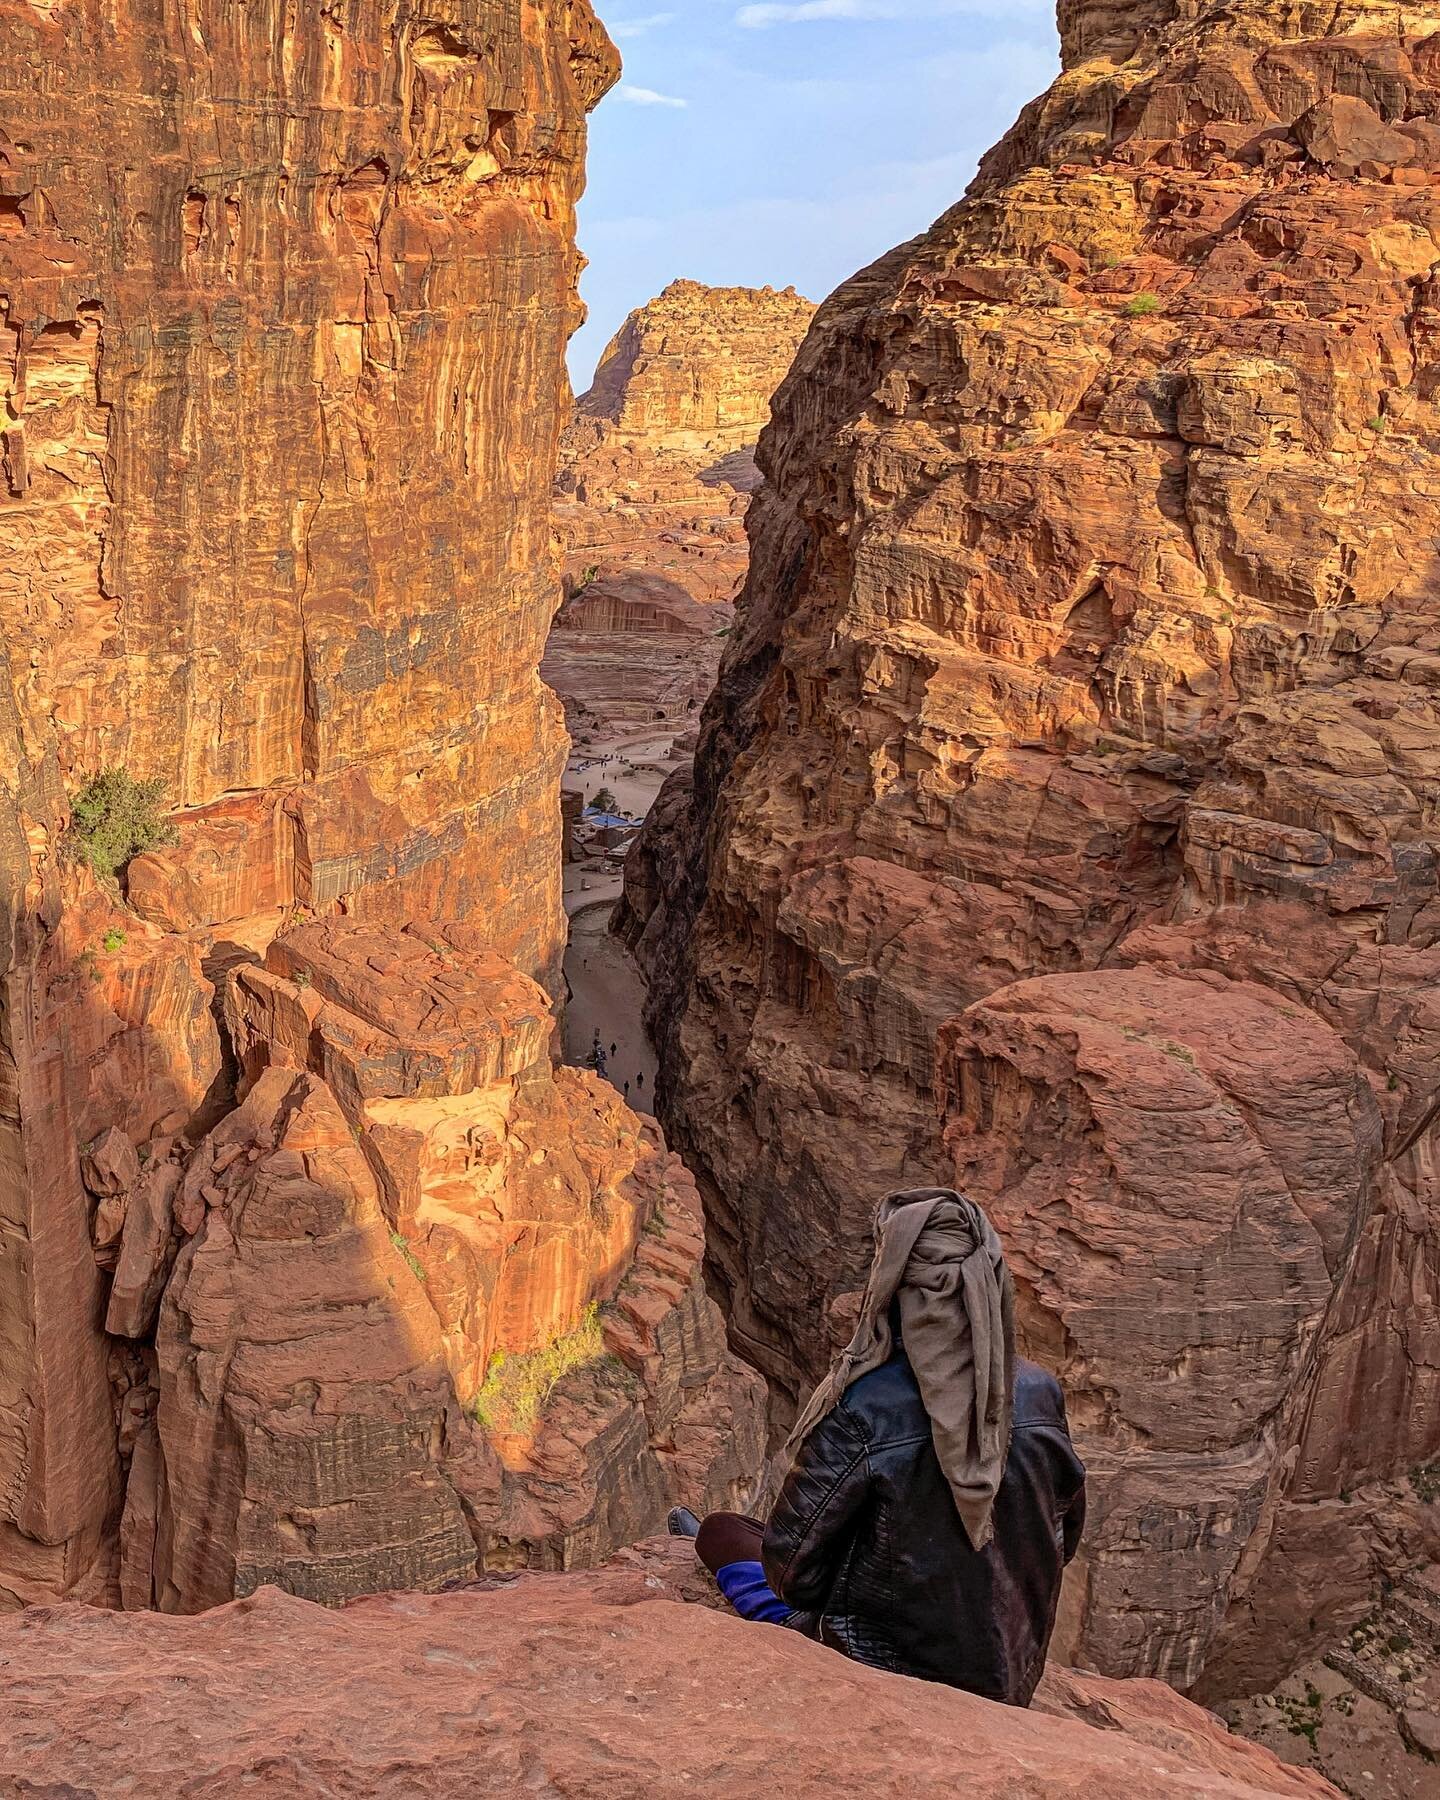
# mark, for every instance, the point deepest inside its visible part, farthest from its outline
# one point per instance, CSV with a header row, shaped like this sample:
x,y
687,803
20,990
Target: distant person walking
x,y
934,1496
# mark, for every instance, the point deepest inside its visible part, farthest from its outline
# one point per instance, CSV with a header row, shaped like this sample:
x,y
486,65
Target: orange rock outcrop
x,y
1064,820
287,1165
656,472
574,1684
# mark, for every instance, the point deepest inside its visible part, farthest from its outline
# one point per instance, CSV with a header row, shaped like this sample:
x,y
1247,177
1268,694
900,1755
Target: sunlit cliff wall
x,y
285,295
1064,822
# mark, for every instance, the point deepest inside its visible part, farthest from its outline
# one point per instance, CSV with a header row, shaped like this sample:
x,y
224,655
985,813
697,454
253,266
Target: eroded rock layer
x,y
656,472
576,1684
1064,820
286,1166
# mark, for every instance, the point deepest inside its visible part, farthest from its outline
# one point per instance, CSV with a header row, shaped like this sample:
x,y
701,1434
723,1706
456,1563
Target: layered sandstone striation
x,y
578,1684
1064,820
287,1165
656,473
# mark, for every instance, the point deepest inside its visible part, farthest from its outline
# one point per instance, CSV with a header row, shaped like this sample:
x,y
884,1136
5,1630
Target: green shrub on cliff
x,y
115,817
517,1387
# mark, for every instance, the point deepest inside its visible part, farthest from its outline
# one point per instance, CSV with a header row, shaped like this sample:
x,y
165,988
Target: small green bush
x,y
1142,306
114,939
412,1261
115,817
516,1387
605,799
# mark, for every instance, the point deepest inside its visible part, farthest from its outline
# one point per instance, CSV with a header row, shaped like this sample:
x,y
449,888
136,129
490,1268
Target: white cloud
x,y
756,18
641,96
760,17
624,29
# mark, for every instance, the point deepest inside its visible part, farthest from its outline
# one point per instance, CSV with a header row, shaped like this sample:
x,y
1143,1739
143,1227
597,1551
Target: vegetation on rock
x,y
517,1386
114,817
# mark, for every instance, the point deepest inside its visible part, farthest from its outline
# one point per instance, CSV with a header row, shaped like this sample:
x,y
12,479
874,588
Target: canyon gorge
x,y
657,470
1062,825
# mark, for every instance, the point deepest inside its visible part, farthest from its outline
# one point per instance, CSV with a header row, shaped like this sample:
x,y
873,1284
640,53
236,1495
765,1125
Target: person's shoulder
x,y
1039,1398
886,1403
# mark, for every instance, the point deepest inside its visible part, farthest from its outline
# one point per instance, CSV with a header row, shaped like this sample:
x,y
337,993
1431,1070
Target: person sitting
x,y
934,1495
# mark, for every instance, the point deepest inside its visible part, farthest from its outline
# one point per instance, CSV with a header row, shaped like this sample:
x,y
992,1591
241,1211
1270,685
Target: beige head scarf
x,y
940,1254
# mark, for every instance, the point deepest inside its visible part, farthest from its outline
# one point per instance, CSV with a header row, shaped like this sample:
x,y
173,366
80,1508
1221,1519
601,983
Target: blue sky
x,y
790,140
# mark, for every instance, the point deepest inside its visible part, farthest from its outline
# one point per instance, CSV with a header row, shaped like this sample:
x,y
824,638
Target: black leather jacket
x,y
866,1544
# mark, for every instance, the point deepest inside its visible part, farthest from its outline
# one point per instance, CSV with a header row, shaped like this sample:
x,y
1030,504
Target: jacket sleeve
x,y
812,1523
1074,1523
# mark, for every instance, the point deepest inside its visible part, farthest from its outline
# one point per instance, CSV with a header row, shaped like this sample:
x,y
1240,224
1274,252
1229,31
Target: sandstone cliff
x,y
656,472
1064,820
286,1164
605,1683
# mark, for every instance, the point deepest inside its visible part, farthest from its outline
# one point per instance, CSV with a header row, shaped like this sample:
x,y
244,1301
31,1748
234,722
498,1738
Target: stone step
x,y
1419,1593
1417,1618
1367,1678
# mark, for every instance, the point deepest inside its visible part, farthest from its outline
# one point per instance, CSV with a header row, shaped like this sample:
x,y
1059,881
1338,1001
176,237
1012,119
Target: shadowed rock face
x,y
285,298
609,1682
1063,821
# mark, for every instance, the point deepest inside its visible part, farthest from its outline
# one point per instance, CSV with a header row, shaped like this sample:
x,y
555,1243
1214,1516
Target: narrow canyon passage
x,y
607,1007
656,472
981,730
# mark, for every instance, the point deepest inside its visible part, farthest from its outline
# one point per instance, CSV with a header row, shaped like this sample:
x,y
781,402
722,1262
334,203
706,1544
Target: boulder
x,y
571,1684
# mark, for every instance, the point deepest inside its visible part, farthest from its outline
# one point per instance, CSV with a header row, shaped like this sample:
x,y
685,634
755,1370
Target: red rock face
x,y
1062,823
285,301
585,1683
656,472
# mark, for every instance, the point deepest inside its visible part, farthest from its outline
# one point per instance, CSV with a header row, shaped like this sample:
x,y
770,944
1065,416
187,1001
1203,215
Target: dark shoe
x,y
683,1522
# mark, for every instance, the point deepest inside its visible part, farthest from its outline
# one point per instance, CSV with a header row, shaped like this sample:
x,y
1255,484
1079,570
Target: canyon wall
x,y
1063,824
288,1174
656,472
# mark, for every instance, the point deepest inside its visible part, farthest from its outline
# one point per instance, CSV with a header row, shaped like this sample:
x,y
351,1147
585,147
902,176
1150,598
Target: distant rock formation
x,y
595,1683
656,472
1064,823
286,1165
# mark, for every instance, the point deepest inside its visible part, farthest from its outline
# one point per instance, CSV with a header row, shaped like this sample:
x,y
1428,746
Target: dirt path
x,y
606,995
604,889
633,766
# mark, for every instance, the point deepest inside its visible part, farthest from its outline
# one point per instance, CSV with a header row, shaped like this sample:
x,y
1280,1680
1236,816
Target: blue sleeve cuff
x,y
744,1585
